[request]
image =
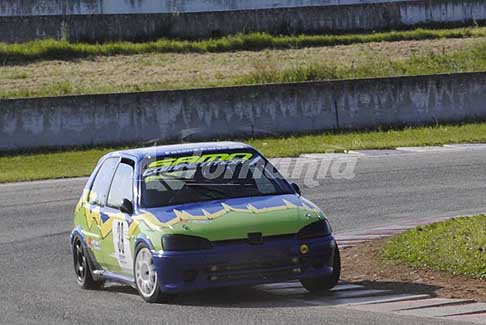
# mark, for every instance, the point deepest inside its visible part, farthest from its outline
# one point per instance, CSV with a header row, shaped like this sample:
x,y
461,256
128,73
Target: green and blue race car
x,y
179,218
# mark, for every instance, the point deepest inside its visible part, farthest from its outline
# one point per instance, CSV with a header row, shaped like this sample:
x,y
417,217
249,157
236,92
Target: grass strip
x,y
367,65
467,60
26,167
457,246
63,50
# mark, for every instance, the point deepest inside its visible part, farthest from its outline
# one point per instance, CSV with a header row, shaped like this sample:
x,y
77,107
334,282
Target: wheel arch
x,y
92,262
77,233
142,239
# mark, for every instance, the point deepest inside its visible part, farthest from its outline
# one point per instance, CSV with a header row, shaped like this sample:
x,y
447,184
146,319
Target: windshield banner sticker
x,y
173,164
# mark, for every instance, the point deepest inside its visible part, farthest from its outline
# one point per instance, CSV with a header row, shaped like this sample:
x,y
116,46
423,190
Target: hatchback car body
x,y
178,218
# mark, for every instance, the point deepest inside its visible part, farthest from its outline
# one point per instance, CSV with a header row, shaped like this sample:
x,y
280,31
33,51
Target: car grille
x,y
246,240
282,268
258,269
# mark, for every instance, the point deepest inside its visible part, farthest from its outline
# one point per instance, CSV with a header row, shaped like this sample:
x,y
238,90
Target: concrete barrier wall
x,y
321,19
241,111
93,7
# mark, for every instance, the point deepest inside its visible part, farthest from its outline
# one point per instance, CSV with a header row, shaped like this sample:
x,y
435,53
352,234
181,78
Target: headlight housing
x,y
182,243
317,229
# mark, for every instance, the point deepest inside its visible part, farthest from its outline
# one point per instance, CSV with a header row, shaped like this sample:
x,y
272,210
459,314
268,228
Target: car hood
x,y
236,218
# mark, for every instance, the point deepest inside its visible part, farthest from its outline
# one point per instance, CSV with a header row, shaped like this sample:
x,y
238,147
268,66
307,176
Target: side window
x,y
99,190
122,186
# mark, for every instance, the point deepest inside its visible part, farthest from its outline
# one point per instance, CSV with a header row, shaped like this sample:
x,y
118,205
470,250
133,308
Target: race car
x,y
178,218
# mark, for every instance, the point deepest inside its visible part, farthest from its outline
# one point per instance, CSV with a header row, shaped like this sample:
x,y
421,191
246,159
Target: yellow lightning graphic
x,y
93,217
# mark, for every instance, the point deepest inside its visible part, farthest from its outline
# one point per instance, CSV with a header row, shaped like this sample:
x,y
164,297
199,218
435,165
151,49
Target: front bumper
x,y
234,263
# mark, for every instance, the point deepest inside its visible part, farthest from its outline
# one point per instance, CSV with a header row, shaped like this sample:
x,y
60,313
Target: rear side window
x,y
101,184
122,186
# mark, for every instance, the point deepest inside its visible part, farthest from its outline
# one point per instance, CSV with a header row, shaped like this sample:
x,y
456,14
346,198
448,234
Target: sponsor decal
x,y
173,164
94,244
201,221
304,249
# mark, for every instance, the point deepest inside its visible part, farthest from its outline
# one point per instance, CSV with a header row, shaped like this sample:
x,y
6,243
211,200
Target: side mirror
x,y
296,188
127,207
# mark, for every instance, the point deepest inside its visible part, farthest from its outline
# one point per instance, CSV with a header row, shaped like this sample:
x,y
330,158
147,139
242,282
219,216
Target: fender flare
x,y
77,232
142,239
93,264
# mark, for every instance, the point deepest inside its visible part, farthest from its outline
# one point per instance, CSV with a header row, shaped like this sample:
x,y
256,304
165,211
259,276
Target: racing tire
x,y
82,268
146,278
324,284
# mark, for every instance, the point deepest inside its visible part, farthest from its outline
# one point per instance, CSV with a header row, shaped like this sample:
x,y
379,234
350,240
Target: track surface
x,y
37,282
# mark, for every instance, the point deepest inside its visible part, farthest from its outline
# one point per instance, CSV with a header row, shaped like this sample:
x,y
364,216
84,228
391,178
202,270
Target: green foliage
x,y
63,50
387,139
457,246
25,167
467,60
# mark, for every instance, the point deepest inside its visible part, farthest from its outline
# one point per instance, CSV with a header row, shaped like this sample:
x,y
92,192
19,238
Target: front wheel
x,y
324,284
146,279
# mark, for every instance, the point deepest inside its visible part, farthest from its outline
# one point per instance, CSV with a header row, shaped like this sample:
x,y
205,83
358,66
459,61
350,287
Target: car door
x,y
95,219
120,259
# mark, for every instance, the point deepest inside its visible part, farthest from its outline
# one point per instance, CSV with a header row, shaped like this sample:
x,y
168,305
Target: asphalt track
x,y
37,282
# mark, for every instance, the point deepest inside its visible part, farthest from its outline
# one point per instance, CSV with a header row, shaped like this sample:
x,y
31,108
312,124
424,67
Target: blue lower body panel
x,y
236,263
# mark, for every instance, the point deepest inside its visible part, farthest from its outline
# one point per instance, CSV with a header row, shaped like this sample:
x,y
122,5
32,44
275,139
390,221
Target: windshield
x,y
209,176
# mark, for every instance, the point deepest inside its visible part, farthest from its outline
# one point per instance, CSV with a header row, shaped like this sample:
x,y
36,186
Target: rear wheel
x,y
81,267
146,278
324,284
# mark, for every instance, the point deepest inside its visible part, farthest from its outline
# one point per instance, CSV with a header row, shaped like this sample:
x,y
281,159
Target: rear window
x,y
204,176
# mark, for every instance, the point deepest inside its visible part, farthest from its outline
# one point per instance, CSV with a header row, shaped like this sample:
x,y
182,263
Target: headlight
x,y
184,243
317,229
